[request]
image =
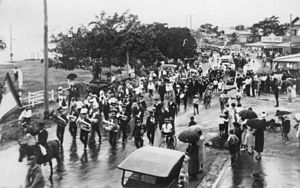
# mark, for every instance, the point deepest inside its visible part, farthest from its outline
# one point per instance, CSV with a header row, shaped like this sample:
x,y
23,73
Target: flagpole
x,y
46,97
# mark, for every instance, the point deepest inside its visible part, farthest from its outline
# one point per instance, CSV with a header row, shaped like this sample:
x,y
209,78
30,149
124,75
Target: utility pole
x,y
10,37
46,98
191,22
290,33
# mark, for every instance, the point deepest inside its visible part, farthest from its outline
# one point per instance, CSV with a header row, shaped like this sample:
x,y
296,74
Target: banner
x,y
9,99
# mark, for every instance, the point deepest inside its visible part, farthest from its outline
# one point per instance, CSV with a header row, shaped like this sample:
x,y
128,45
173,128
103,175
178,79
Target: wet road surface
x,y
97,167
275,172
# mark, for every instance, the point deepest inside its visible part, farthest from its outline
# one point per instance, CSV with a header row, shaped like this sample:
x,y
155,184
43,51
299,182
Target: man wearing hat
x,y
151,125
61,121
94,117
85,126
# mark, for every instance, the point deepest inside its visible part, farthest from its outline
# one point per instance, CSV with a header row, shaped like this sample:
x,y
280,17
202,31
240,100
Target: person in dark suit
x,y
276,90
151,125
162,91
42,134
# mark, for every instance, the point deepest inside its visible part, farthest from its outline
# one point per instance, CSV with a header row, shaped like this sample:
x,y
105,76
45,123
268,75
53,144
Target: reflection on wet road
x,y
276,172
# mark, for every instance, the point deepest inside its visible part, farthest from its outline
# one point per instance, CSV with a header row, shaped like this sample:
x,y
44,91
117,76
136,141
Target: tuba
x,y
84,125
60,121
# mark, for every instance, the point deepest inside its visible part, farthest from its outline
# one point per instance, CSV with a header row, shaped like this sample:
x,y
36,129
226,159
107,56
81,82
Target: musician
x,y
61,120
151,125
72,117
94,117
113,128
85,126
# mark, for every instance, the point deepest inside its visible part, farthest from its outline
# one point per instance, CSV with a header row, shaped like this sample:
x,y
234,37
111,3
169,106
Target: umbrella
x,y
294,81
247,114
196,128
256,123
282,111
188,135
287,83
112,100
71,76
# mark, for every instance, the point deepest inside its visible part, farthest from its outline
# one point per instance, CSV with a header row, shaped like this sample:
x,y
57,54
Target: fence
x,y
35,98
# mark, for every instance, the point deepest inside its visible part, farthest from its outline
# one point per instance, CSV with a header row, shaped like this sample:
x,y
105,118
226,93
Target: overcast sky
x,y
26,16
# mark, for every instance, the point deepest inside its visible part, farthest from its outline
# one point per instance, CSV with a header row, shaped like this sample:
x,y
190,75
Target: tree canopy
x,y
268,26
108,39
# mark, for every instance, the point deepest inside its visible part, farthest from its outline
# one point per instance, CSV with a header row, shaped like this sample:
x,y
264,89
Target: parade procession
x,y
111,94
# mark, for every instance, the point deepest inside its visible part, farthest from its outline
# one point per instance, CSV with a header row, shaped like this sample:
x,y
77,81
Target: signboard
x,y
272,38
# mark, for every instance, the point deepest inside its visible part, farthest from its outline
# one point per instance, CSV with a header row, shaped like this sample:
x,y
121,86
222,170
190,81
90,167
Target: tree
x,y
171,43
2,45
268,26
111,40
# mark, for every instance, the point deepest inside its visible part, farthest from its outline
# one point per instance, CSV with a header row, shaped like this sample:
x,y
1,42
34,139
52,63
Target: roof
x,y
288,58
295,21
151,160
260,44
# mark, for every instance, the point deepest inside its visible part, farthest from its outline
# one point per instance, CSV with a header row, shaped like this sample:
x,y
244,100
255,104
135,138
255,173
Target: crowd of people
x,y
130,109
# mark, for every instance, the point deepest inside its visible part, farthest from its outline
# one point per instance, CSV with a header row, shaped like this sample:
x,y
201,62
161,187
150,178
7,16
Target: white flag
x,y
9,99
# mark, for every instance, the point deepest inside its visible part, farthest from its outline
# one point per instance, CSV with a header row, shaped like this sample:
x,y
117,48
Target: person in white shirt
x,y
25,116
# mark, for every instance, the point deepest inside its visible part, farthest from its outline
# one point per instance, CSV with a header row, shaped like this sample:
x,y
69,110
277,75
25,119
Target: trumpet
x,y
84,125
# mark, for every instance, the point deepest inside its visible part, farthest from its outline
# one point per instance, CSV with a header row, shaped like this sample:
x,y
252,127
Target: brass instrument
x,y
84,125
108,125
72,118
60,120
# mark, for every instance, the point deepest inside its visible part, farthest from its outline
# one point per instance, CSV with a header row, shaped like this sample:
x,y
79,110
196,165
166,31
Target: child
x,y
196,105
220,86
215,85
233,143
34,177
238,96
221,126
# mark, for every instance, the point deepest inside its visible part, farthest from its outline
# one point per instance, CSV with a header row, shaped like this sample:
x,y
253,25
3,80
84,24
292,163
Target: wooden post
x,y
290,34
46,99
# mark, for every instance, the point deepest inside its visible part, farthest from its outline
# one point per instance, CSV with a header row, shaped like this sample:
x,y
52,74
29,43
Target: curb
x,y
225,167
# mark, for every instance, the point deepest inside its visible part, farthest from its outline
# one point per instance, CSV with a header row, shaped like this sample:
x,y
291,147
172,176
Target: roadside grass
x,y
33,75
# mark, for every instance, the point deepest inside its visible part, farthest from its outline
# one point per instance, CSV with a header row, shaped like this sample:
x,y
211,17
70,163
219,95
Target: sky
x,y
26,16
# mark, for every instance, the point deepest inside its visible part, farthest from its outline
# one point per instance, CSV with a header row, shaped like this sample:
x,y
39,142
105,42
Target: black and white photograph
x,y
149,93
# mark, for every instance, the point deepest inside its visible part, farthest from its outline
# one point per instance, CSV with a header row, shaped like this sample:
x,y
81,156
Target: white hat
x,y
60,88
83,111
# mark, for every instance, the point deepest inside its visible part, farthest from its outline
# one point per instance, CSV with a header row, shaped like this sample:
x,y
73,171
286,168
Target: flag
x,y
9,100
